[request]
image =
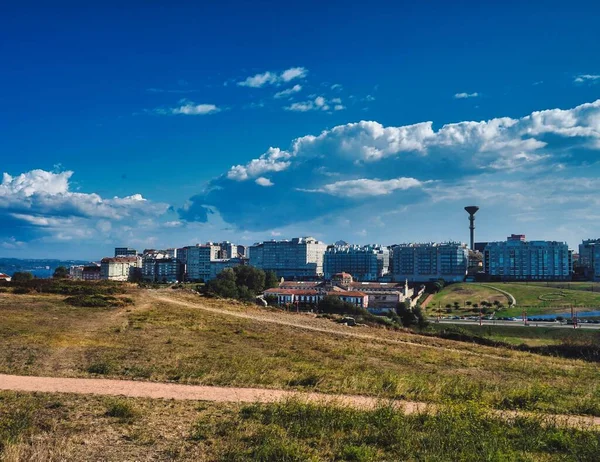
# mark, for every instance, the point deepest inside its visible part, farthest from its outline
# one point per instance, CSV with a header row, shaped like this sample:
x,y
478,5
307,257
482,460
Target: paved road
x,y
487,322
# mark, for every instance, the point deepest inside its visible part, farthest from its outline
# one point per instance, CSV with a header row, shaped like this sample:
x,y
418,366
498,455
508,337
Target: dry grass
x,y
79,428
161,341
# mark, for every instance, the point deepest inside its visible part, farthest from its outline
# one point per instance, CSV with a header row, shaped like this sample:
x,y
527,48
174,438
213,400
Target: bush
x,y
21,290
97,301
121,409
335,305
100,368
21,276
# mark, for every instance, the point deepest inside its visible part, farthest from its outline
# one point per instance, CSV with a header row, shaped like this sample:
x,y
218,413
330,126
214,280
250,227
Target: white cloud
x,y
272,78
336,86
262,181
195,109
290,91
12,243
300,107
365,187
43,199
466,95
587,78
319,103
274,160
369,160
294,73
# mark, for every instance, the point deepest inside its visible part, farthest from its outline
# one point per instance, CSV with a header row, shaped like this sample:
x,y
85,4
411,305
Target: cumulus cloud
x,y
195,109
319,103
587,78
274,78
288,92
365,187
466,95
186,107
43,200
392,166
274,160
262,181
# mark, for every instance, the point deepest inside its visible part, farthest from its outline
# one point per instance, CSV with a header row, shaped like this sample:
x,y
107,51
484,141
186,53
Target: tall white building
x,y
429,262
517,259
364,263
301,257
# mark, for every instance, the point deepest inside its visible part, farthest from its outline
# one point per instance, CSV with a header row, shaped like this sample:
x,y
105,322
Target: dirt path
x,y
135,389
346,333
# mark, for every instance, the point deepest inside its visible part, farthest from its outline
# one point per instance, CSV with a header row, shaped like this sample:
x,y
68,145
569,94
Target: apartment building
x,y
198,260
91,272
125,252
301,257
364,263
430,261
589,258
519,260
120,268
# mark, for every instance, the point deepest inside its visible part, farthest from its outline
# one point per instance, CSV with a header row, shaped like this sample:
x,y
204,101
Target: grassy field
x,y
58,427
531,336
462,293
159,341
537,298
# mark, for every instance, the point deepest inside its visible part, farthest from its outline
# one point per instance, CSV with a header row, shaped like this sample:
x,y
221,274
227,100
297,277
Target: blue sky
x,y
156,124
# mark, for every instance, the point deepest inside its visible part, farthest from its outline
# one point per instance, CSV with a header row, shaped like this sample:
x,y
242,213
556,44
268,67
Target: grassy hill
x,y
171,336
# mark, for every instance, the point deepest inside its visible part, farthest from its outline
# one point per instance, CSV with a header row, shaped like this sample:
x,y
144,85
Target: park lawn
x,y
463,293
74,428
587,286
160,341
549,298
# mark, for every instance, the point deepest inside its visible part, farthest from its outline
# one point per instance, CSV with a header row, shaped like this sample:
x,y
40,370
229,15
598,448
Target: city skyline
x,y
241,123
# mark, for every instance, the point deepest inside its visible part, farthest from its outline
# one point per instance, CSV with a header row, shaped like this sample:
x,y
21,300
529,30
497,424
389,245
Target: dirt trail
x,y
135,389
345,333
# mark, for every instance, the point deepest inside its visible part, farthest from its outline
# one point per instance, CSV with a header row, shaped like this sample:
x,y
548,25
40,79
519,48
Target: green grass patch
x,y
295,431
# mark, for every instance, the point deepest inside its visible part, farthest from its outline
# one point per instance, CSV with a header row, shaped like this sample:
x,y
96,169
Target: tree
x,y
411,316
21,277
335,305
223,286
468,303
250,277
271,280
61,273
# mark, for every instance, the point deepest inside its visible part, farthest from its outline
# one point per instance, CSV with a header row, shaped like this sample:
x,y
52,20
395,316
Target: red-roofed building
x,y
5,277
304,297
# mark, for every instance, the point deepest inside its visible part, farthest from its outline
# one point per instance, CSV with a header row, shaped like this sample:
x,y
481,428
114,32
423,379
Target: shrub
x,y
100,368
21,290
97,301
21,276
121,409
